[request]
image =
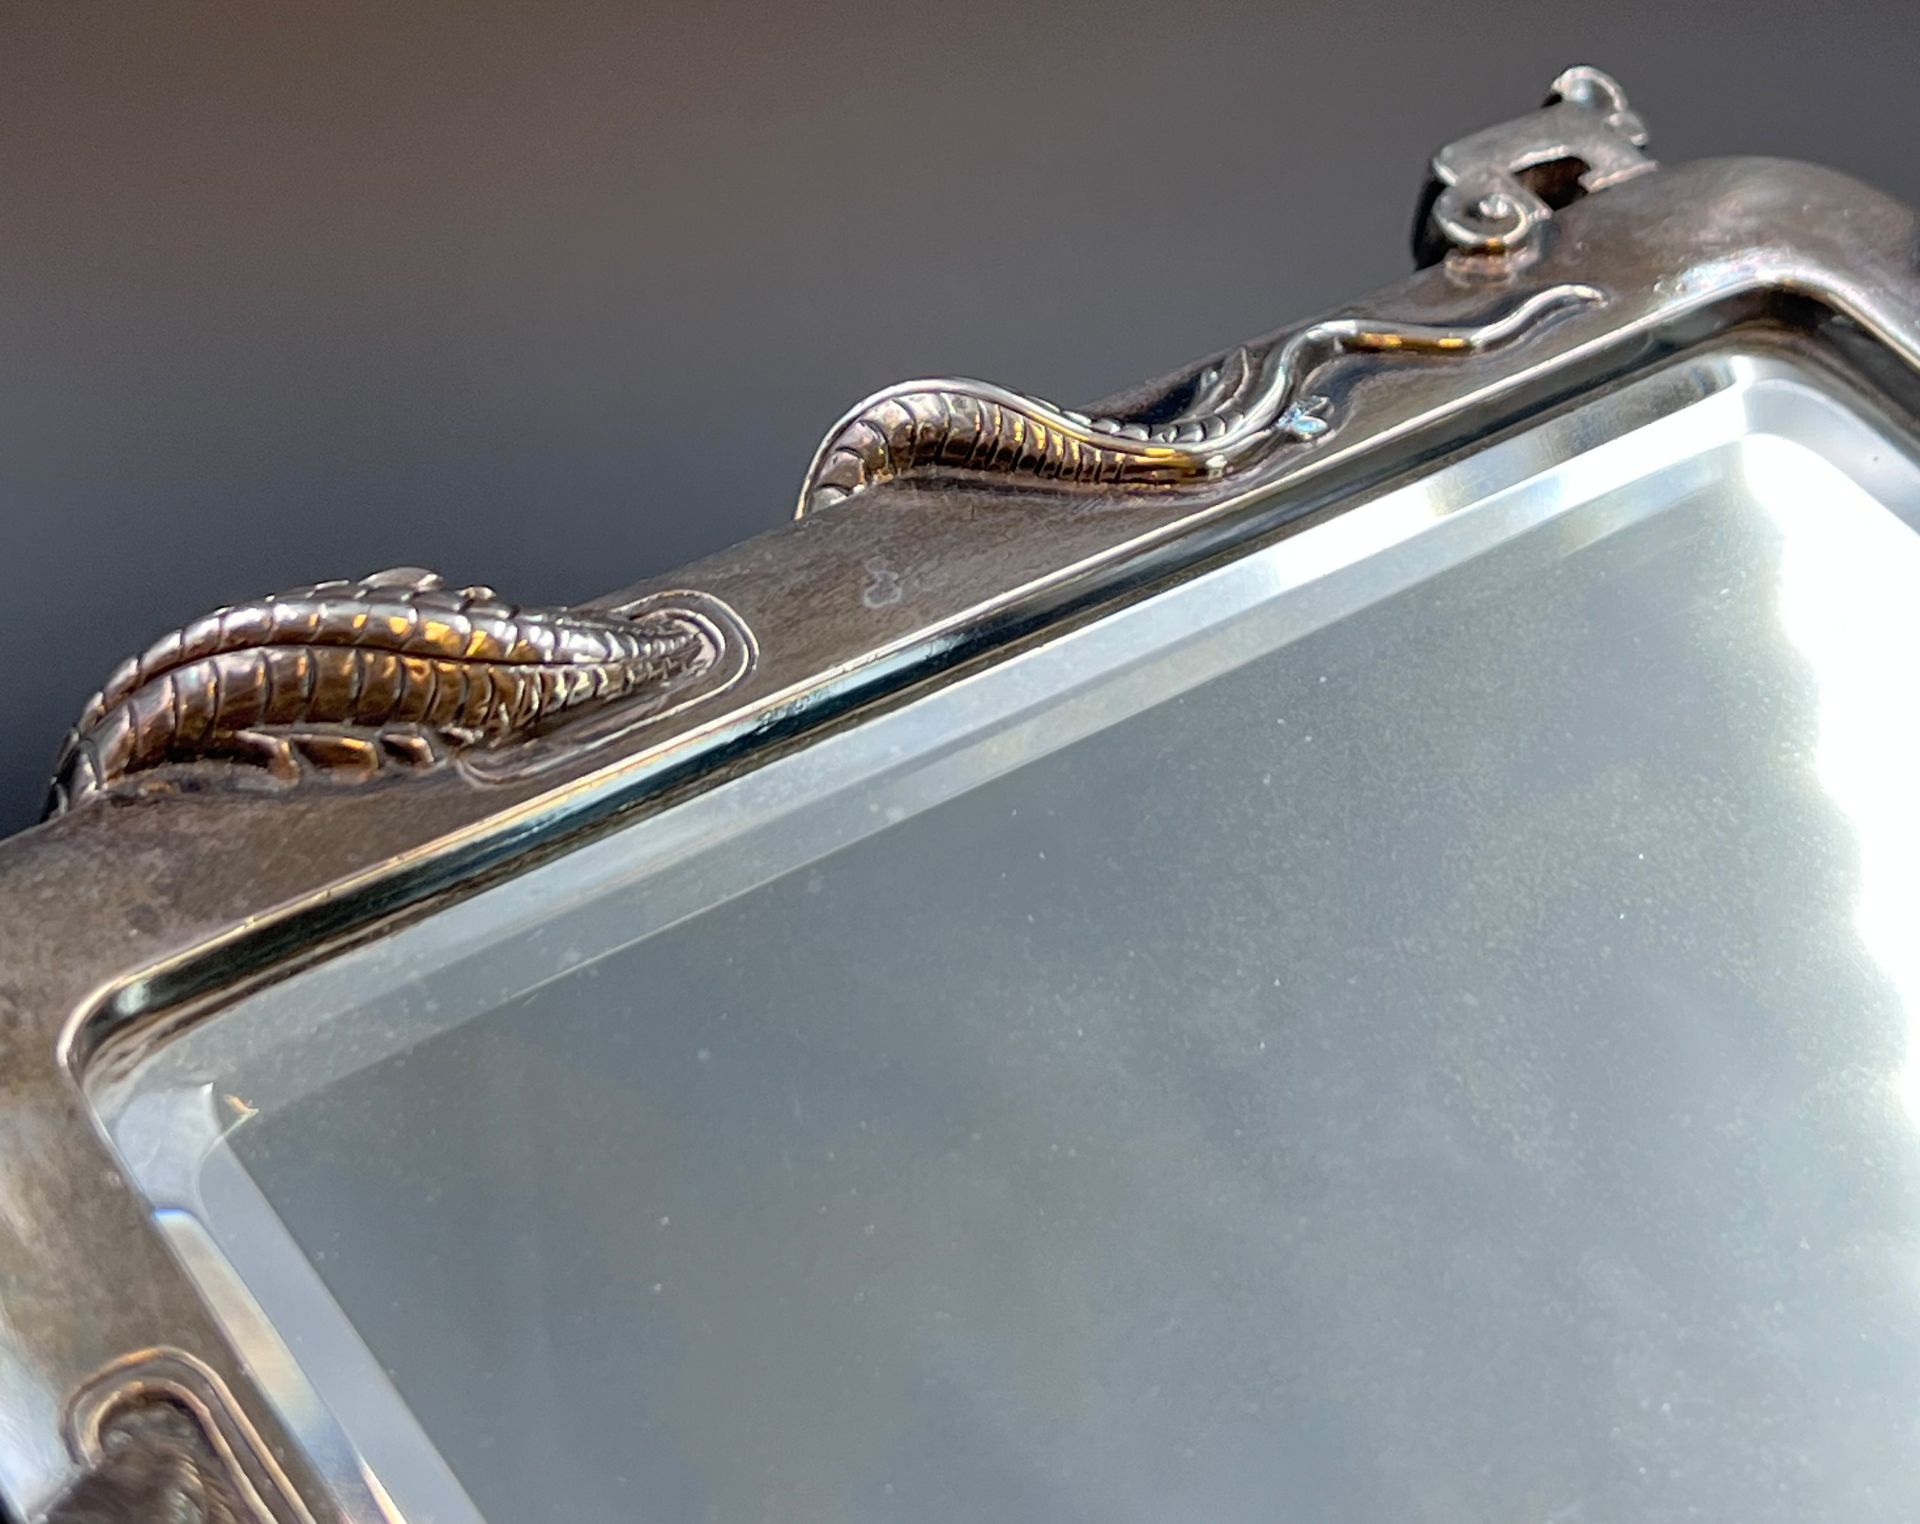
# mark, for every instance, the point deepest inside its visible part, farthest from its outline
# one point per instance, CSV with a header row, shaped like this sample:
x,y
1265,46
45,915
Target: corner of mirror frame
x,y
1536,286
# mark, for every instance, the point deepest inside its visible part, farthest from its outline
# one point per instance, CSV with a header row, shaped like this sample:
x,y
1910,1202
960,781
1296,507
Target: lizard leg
x,y
344,751
416,745
270,749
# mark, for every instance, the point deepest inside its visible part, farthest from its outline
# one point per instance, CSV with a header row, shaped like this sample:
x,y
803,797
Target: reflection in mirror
x,y
1414,1023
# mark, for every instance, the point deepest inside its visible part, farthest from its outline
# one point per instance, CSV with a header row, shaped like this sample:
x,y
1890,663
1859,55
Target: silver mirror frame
x,y
959,520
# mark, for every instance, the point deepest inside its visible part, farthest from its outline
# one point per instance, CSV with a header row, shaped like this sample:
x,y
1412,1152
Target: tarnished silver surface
x,y
160,1439
1489,192
153,1464
1233,411
346,679
126,924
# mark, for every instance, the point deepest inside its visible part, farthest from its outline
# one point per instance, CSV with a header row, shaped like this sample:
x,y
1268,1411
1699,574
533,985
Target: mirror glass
x,y
1413,1023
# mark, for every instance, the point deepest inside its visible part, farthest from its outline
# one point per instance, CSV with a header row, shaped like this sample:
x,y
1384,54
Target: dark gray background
x,y
560,294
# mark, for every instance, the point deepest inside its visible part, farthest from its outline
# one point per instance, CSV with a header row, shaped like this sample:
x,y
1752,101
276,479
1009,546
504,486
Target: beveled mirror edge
x,y
110,909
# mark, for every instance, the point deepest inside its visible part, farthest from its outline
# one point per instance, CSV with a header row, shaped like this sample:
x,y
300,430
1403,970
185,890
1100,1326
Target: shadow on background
x,y
558,296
